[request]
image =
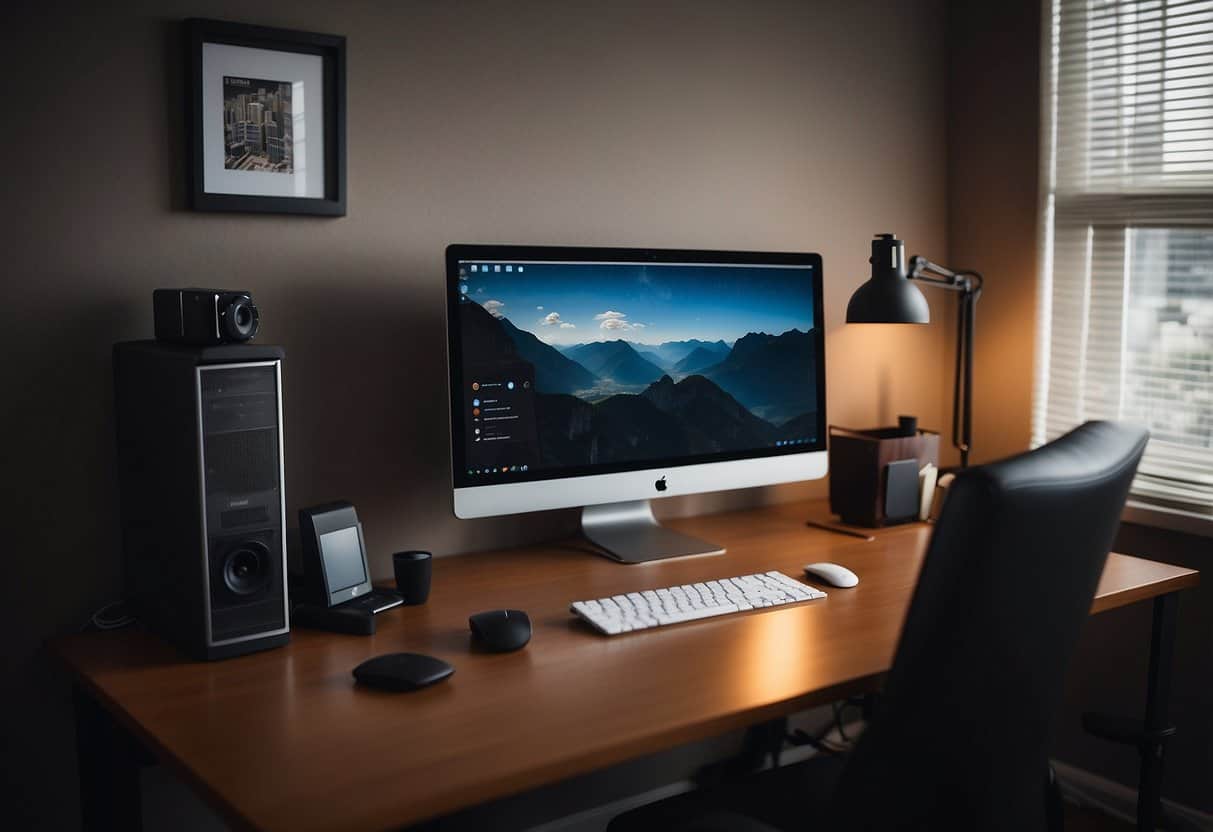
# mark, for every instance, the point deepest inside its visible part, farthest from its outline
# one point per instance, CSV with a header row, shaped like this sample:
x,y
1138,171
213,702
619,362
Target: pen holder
x,y
874,473
413,571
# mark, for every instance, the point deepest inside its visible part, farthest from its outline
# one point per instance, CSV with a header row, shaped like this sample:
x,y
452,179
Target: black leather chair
x,y
961,738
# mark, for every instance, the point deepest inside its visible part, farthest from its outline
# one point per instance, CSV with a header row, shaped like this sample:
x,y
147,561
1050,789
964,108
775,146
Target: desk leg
x,y
1158,694
109,763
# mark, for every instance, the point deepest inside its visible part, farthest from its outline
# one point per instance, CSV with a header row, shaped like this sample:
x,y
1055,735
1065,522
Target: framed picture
x,y
265,119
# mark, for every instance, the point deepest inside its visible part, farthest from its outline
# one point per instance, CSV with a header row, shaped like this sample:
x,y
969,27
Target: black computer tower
x,y
202,494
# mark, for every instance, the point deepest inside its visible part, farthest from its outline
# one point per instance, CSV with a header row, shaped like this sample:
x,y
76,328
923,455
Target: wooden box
x,y
859,460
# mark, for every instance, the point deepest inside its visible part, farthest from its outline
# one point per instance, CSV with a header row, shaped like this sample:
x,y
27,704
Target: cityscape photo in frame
x,y
258,125
266,119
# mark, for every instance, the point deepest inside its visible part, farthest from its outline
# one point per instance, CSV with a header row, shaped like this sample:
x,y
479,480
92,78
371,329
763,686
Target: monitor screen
x,y
343,563
573,367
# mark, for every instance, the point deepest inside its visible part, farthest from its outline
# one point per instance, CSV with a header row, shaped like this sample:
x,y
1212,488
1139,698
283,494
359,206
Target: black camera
x,y
204,316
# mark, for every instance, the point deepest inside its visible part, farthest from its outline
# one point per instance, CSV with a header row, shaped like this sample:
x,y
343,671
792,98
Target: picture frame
x,y
265,119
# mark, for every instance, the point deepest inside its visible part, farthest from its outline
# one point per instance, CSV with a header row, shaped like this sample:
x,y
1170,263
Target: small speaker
x,y
202,497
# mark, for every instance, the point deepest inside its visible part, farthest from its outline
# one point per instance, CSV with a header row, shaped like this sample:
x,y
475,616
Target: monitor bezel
x,y
506,499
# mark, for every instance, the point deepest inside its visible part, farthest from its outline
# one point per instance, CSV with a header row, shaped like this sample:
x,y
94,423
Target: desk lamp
x,y
890,298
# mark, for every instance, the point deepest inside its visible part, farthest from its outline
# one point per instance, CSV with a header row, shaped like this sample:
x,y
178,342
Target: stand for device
x,y
629,533
339,619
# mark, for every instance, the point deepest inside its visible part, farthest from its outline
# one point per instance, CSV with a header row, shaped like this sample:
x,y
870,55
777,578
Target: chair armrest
x,y
1123,729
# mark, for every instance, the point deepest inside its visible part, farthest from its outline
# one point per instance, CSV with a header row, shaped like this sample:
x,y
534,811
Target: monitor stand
x,y
629,533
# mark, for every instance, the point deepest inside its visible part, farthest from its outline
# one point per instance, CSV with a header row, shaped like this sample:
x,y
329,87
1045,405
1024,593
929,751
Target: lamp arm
x,y
919,266
923,270
969,285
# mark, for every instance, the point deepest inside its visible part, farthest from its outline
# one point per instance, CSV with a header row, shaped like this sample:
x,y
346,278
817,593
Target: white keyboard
x,y
690,602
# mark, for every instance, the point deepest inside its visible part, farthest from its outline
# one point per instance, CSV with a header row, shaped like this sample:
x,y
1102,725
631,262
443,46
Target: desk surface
x,y
284,740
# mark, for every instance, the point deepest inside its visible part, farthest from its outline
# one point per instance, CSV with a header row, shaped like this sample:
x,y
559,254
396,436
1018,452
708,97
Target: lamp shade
x,y
888,297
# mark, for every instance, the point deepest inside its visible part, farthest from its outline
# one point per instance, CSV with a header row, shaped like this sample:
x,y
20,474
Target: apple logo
x,y
660,484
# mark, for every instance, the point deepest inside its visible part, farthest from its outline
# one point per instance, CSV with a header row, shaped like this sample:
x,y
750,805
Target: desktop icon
x,y
509,268
475,385
475,402
520,268
510,385
473,268
524,467
475,411
496,268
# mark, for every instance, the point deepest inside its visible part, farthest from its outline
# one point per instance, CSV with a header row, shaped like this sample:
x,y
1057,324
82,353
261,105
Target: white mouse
x,y
832,574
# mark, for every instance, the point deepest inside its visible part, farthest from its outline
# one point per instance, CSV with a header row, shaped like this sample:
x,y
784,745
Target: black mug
x,y
413,575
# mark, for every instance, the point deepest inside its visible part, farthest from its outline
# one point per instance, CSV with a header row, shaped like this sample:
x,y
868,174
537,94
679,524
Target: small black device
x,y
413,572
501,631
205,316
901,491
402,671
335,569
200,479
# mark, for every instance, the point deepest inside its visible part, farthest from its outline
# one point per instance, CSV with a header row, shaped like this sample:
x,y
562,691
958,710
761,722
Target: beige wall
x,y
764,125
993,175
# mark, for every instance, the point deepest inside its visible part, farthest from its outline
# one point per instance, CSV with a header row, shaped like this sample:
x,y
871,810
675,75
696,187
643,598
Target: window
x,y
1126,306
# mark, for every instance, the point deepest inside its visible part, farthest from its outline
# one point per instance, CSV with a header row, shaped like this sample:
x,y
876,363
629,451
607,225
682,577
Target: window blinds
x,y
1125,311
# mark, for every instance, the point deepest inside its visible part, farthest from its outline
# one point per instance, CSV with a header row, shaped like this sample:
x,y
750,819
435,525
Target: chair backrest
x,y
961,739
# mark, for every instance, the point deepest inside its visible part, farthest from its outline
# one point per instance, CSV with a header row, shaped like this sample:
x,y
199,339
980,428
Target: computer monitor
x,y
603,378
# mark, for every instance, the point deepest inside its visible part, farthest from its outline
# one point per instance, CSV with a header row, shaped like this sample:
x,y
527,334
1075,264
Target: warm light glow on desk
x,y
779,642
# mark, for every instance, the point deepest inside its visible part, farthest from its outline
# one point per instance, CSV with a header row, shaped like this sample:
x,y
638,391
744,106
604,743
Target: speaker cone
x,y
240,319
246,569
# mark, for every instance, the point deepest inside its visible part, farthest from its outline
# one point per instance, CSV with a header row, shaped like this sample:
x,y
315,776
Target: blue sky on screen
x,y
648,304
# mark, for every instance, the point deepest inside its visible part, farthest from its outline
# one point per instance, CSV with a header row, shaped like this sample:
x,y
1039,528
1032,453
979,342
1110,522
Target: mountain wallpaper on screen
x,y
487,340
698,359
553,371
649,354
618,400
675,351
767,373
615,361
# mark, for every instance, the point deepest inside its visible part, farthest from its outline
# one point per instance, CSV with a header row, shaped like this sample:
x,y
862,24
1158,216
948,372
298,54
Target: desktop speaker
x,y
202,498
204,316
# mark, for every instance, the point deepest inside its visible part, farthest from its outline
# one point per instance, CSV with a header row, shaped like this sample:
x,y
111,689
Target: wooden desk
x,y
284,740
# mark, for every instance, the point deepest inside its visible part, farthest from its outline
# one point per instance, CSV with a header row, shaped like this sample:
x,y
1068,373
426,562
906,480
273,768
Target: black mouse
x,y
402,671
501,630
